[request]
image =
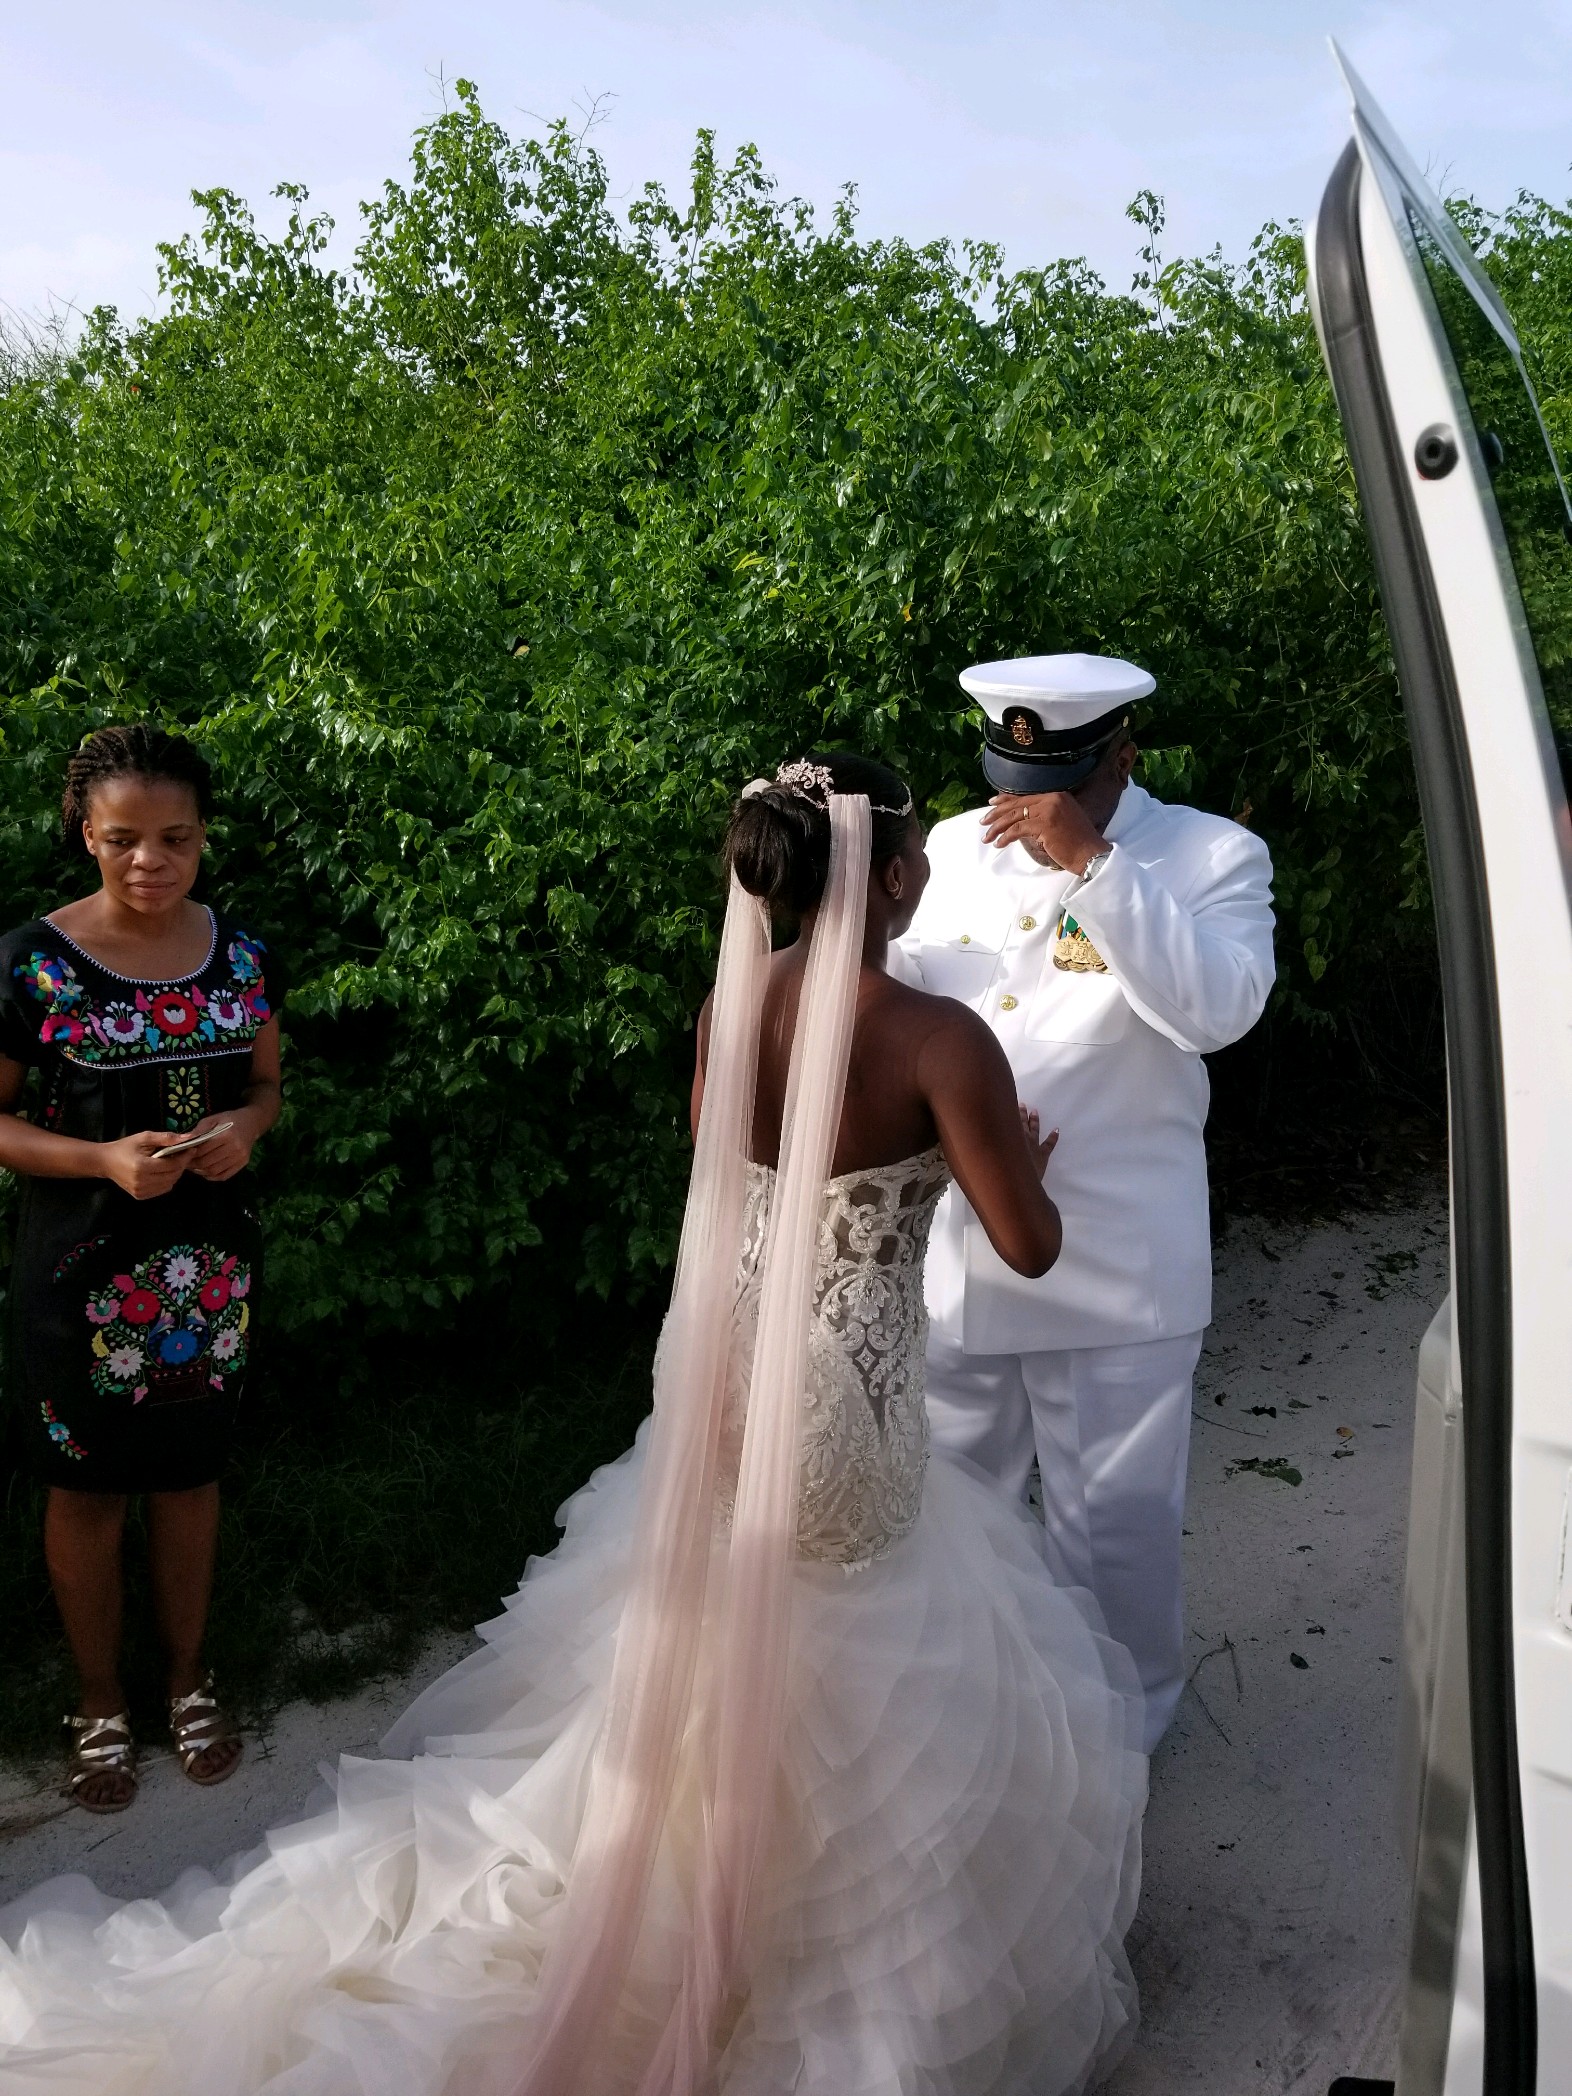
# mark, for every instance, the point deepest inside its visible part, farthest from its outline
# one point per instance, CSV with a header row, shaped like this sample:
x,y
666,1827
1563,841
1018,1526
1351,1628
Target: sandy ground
x,y
1269,1940
173,1823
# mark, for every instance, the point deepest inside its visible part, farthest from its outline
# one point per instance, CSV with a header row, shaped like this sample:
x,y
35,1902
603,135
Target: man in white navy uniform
x,y
1110,940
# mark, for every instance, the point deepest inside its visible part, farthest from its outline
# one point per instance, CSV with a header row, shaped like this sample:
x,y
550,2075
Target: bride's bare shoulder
x,y
922,1016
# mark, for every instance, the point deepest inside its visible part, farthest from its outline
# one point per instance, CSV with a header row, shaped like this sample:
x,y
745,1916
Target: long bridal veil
x,y
671,1607
701,1813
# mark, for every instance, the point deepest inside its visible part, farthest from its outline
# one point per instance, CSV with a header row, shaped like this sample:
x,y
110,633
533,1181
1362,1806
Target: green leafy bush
x,y
487,573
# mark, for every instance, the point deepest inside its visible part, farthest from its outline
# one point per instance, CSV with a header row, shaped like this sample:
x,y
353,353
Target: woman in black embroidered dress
x,y
133,1289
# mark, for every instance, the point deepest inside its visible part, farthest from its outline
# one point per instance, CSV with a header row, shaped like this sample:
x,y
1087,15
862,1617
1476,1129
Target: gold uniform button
x,y
966,938
1008,1004
1028,924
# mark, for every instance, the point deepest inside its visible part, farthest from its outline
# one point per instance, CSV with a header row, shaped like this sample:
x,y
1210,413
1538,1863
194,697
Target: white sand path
x,y
1269,1940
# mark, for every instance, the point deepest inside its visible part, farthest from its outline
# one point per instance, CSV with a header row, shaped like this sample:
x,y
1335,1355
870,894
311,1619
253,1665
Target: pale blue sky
x,y
1028,121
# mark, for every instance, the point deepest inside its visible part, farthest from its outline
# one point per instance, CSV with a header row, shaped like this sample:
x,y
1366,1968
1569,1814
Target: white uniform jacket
x,y
1181,914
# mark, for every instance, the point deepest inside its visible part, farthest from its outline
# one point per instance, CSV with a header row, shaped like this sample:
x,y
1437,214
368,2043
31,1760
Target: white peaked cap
x,y
1064,691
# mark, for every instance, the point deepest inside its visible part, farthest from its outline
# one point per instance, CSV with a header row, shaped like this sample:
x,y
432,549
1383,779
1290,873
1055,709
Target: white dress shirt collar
x,y
1131,806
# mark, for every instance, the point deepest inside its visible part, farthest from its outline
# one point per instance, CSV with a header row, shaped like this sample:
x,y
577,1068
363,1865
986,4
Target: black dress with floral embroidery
x,y
129,1323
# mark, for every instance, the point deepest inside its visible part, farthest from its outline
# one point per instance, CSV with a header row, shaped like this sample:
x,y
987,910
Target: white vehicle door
x,y
1467,514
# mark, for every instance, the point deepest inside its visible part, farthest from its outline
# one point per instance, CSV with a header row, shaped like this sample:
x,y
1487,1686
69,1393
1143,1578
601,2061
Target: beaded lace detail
x,y
865,1430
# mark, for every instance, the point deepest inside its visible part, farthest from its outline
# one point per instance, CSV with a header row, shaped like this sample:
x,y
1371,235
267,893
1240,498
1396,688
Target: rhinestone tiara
x,y
809,782
815,783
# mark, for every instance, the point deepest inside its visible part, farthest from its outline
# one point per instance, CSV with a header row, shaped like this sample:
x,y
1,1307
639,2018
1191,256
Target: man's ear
x,y
1124,763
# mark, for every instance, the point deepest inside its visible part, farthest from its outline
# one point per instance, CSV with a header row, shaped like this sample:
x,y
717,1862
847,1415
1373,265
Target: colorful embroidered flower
x,y
51,980
184,1096
227,1012
119,1023
179,1345
184,1314
180,1273
245,958
176,1021
54,982
60,1433
174,1013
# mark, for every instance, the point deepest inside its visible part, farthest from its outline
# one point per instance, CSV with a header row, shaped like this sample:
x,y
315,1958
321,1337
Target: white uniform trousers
x,y
1109,1427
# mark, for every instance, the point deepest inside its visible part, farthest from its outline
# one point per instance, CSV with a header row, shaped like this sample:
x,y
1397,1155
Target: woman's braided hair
x,y
137,751
778,843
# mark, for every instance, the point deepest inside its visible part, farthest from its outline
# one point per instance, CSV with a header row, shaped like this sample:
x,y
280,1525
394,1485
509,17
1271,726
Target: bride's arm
x,y
964,1076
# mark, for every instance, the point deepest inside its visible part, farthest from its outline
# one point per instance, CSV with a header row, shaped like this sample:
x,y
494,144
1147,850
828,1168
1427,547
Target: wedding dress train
x,y
953,1863
790,1772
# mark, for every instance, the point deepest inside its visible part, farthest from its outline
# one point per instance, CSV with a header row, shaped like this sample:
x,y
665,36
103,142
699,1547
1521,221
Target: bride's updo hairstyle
x,y
778,843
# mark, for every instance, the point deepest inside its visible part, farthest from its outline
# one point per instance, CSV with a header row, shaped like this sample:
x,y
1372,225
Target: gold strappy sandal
x,y
196,1723
101,1747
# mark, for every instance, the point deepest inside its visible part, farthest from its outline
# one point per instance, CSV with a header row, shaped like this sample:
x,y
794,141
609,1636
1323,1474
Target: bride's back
x,y
886,1116
923,1070
778,846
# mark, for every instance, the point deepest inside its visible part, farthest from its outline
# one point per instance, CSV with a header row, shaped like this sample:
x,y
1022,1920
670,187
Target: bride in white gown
x,y
791,1771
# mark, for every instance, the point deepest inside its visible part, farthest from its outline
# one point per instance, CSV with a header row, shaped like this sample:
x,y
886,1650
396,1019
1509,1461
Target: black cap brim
x,y
1034,775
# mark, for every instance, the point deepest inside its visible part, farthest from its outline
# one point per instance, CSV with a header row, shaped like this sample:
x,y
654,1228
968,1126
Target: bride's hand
x,y
1039,1152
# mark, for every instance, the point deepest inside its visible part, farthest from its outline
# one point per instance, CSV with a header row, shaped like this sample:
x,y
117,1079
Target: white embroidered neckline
x,y
142,981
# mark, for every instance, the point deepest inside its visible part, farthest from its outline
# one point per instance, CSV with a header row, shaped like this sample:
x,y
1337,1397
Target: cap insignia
x,y
1021,730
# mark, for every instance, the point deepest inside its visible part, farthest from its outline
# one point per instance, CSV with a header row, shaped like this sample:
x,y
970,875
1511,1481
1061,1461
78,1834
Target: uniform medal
x,y
1073,951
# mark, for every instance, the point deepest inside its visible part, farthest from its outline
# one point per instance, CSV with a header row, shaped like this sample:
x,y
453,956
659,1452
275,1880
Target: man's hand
x,y
1053,827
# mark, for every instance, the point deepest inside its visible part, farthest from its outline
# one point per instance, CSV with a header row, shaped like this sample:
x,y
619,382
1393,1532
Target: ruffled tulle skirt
x,y
942,1913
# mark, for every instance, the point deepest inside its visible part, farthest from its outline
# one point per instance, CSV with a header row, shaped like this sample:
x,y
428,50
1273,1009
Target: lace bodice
x,y
865,1430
